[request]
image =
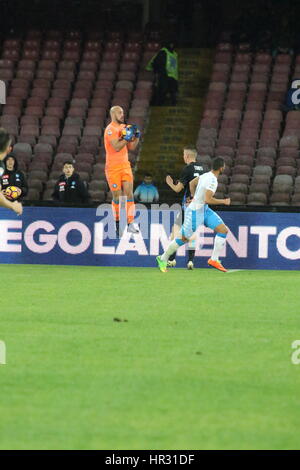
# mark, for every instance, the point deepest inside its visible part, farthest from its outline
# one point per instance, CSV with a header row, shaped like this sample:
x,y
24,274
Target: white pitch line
x,y
234,270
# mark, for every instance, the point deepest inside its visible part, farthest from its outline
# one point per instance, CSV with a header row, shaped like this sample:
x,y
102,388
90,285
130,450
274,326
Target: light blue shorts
x,y
193,219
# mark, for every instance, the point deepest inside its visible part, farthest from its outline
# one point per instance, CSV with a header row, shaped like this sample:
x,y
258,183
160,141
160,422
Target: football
x,y
12,193
130,132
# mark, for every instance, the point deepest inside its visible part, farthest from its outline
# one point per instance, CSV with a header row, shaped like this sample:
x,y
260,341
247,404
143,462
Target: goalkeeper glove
x,y
137,132
128,133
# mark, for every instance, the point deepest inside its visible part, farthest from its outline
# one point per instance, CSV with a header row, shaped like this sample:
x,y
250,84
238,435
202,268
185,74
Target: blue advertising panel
x,y
82,236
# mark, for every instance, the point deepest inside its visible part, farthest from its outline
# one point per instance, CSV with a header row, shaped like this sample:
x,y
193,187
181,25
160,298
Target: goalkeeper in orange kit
x,y
118,139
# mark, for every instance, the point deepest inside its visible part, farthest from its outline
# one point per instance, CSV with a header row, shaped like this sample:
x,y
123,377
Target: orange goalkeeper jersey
x,y
113,158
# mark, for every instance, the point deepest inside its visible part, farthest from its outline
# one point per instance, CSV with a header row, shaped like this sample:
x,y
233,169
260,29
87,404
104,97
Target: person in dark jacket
x,y
12,176
164,64
70,187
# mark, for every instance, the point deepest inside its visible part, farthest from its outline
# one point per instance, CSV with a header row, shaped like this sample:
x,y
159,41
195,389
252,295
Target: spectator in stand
x,y
12,176
165,67
146,192
70,187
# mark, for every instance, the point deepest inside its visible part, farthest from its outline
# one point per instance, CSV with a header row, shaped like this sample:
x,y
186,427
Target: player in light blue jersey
x,y
198,213
191,170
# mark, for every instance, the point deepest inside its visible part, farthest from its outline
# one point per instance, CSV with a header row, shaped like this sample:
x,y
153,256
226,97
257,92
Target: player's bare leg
x,y
127,187
220,240
162,260
191,250
174,234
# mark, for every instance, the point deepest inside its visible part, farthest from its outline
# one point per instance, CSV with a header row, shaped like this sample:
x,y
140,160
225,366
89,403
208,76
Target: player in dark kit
x,y
70,187
191,170
12,176
5,148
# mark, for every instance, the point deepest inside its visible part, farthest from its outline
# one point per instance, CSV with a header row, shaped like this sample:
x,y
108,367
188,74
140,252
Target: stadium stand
x,y
59,91
61,85
244,122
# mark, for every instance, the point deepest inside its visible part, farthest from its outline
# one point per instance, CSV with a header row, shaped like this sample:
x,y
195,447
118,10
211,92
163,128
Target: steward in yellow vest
x,y
165,66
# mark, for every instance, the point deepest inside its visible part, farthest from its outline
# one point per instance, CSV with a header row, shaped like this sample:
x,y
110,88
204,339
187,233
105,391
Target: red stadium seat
x,y
69,139
41,93
43,148
52,55
72,130
238,178
30,129
91,56
242,170
98,196
280,199
35,184
50,130
257,199
61,93
67,148
82,93
244,160
86,157
55,111
69,65
68,75
77,112
237,198
32,195
88,65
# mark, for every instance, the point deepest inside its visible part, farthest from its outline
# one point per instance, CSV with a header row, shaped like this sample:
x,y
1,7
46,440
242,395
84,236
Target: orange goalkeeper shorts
x,y
116,176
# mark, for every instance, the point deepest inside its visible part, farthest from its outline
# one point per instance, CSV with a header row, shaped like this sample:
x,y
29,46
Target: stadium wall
x,y
83,236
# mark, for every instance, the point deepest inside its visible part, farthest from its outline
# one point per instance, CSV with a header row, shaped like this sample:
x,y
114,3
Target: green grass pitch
x,y
202,362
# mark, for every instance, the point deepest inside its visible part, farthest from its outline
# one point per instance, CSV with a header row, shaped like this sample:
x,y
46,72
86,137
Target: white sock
x,y
218,245
192,244
170,250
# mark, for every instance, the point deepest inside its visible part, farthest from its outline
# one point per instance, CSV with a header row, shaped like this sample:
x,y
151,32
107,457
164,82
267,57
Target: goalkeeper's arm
x,y
118,144
133,145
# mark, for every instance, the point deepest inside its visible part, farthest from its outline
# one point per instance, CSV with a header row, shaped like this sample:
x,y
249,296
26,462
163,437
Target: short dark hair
x,y
218,163
148,175
4,139
68,162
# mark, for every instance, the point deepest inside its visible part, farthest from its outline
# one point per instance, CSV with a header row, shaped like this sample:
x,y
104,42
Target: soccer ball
x,y
127,133
12,193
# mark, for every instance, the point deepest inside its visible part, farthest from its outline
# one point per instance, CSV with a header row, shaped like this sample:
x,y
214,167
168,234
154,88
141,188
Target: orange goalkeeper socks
x,y
116,210
130,210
